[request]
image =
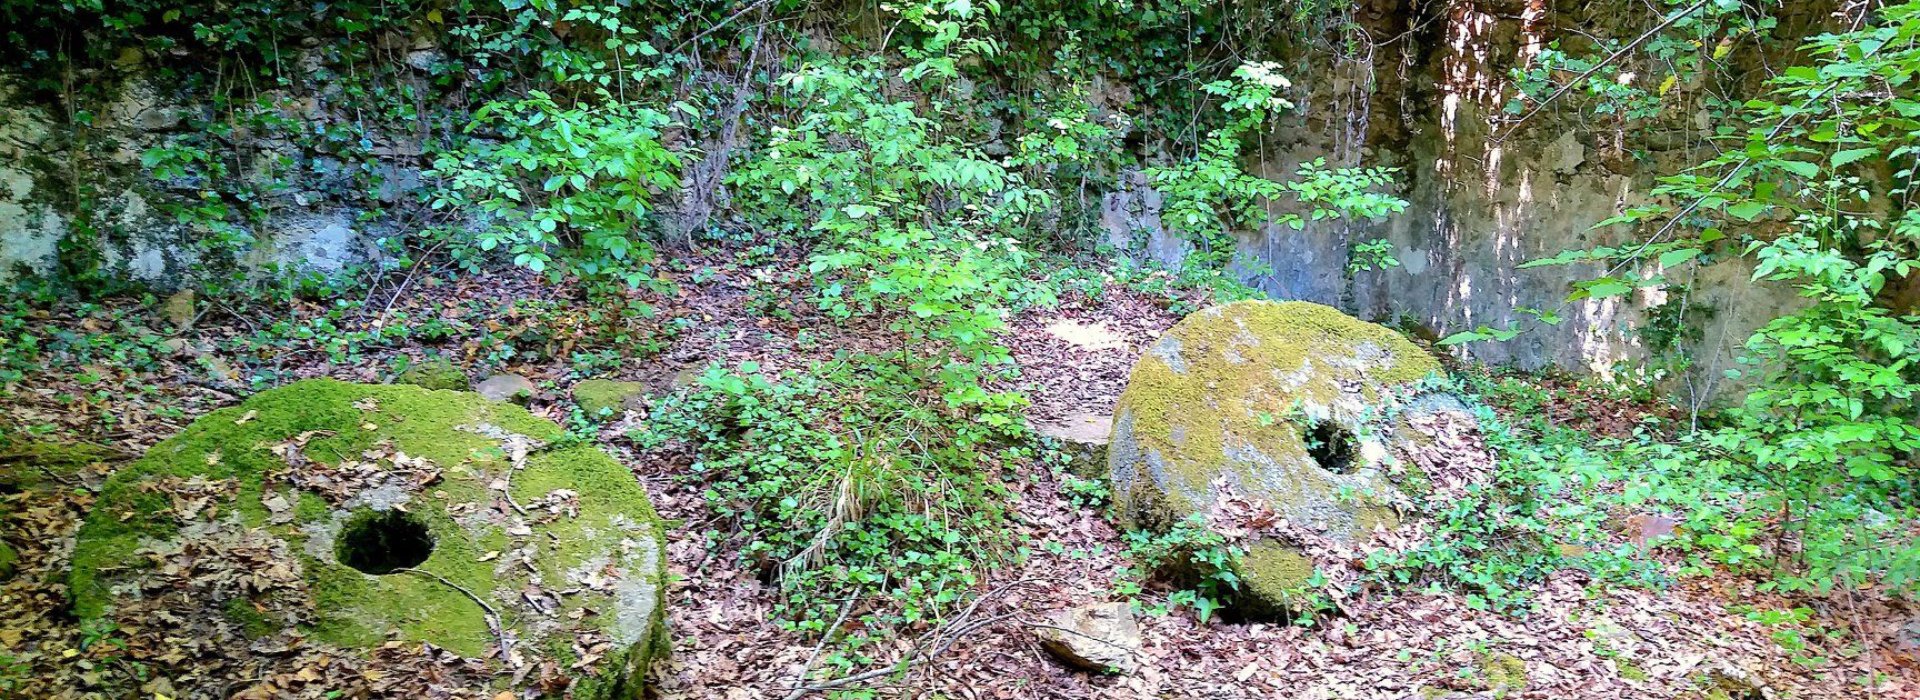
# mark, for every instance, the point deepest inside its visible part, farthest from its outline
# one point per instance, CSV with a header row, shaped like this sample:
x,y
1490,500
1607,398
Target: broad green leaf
x,y
1799,167
1852,154
1607,287
1747,211
1676,257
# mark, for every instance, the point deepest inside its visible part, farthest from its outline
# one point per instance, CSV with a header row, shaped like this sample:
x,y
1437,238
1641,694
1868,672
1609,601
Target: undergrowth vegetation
x,y
850,482
1810,477
937,167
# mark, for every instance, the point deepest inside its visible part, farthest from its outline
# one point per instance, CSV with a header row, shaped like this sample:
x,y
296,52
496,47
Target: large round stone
x,y
353,516
1288,404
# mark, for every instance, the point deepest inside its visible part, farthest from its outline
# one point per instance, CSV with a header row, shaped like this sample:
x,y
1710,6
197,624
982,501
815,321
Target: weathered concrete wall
x,y
57,180
1485,196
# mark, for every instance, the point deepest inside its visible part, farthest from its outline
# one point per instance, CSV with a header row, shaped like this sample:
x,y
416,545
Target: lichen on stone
x,y
564,505
1232,395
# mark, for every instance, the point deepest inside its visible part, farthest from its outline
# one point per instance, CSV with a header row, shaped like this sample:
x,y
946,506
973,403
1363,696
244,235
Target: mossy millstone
x,y
1279,401
398,509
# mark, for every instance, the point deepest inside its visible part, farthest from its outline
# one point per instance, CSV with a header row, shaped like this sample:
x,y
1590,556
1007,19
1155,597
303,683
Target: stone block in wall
x,y
1130,215
324,242
30,227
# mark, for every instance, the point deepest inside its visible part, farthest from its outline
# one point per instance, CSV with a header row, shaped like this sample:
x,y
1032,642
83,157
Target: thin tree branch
x,y
930,646
1624,50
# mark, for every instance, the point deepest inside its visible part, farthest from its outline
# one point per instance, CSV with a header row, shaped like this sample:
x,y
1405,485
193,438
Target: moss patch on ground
x,y
612,523
598,397
1505,674
32,465
437,373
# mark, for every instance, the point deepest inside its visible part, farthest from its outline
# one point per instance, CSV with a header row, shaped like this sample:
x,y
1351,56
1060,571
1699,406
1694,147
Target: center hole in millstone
x,y
382,542
1331,446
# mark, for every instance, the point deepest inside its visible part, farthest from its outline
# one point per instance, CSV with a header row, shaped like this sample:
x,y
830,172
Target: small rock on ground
x,y
1083,434
607,397
507,387
1102,637
179,310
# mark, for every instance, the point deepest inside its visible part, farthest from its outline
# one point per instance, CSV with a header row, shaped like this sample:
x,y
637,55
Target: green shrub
x,y
907,222
1200,560
575,181
1210,195
848,484
1817,455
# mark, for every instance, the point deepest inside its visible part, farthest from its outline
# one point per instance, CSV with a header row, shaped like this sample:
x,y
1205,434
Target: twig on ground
x,y
930,646
800,678
493,616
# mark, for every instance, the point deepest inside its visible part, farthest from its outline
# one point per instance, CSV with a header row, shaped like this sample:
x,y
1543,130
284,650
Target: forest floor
x,y
1581,640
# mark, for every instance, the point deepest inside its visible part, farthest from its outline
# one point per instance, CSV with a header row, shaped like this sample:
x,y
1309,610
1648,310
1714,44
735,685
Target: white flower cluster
x,y
1265,73
1013,246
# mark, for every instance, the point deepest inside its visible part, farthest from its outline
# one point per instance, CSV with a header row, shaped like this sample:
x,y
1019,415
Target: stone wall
x,y
1484,195
30,228
57,180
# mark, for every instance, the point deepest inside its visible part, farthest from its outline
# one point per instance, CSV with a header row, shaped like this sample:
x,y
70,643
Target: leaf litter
x,y
1582,639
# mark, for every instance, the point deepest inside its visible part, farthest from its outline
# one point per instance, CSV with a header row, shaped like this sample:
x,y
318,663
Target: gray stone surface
x,y
1083,436
1288,405
324,242
1131,217
1102,637
1481,201
30,227
507,387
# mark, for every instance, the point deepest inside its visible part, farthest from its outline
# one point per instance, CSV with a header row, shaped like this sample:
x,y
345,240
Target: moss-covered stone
x,y
1284,402
1505,674
598,397
599,548
437,373
8,557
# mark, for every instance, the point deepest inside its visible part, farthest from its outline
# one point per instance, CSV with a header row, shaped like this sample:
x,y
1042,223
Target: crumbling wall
x,y
1426,95
71,192
1486,194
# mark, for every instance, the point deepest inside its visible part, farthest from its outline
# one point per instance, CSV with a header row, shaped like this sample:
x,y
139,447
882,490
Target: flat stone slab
x,y
1084,435
1102,637
507,387
1091,337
